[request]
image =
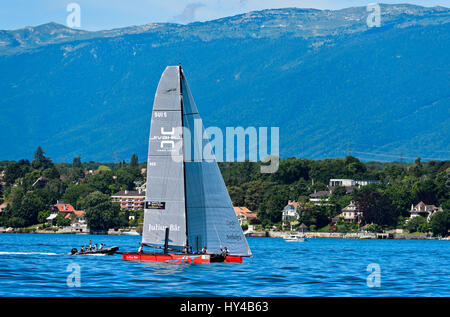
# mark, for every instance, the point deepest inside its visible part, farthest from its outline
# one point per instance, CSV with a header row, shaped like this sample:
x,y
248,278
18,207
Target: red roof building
x,y
245,215
66,210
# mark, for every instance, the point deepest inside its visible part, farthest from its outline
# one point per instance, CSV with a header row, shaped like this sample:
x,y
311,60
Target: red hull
x,y
176,258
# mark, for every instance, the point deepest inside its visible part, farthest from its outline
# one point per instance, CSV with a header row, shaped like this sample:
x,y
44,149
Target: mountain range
x,y
332,84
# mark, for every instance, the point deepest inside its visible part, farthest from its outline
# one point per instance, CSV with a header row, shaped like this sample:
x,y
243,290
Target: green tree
x,y
126,177
27,208
440,223
101,213
43,215
316,216
74,175
289,171
376,207
354,168
401,197
74,192
61,221
273,203
417,224
418,167
254,193
40,161
15,171
50,173
134,161
237,195
76,162
101,181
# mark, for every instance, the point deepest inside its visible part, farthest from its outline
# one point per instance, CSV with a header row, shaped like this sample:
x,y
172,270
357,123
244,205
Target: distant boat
x,y
365,235
130,233
189,216
295,238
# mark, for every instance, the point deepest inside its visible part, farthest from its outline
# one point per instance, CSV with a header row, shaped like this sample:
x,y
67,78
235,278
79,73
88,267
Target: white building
x,y
290,211
351,213
351,182
424,210
320,197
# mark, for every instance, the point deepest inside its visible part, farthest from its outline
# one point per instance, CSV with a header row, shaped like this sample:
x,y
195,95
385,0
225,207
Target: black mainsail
x,y
185,189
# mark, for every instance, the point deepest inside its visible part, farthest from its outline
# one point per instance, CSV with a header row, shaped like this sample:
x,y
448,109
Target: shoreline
x,y
112,232
259,234
340,235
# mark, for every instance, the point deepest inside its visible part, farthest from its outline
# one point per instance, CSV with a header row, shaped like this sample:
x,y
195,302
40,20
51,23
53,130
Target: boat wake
x,y
29,253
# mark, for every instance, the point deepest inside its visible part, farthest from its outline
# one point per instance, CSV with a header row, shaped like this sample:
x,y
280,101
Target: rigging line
x,y
218,237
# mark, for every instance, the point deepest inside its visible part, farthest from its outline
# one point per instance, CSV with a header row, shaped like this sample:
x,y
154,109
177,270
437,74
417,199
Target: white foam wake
x,y
28,253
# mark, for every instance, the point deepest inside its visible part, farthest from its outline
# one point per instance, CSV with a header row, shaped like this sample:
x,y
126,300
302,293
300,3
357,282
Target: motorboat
x,y
295,238
105,251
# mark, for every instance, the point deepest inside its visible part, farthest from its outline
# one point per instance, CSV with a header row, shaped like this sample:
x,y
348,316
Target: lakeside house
x,y
291,212
345,182
323,196
422,209
130,199
245,215
351,213
66,210
320,197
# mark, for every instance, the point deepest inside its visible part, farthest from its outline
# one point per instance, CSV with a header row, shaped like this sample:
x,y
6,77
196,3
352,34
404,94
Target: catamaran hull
x,y
180,258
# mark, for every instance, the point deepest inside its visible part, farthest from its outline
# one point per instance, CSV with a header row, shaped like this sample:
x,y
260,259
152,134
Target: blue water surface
x,y
39,265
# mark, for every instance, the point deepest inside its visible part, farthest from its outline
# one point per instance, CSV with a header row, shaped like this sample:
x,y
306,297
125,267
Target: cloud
x,y
188,14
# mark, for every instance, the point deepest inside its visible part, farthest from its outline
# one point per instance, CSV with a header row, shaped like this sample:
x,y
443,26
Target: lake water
x,y
39,265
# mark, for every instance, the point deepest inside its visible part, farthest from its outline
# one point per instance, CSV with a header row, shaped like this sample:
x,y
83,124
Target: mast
x,y
184,157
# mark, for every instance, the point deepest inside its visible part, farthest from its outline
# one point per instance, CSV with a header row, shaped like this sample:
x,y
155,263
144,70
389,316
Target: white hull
x,y
294,238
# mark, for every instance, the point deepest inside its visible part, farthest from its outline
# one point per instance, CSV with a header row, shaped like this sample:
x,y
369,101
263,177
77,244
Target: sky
x,y
109,14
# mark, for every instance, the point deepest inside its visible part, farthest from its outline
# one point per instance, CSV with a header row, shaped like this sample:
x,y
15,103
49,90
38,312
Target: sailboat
x,y
188,213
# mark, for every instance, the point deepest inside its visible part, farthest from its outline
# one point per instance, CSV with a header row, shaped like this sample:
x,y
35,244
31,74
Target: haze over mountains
x,y
325,78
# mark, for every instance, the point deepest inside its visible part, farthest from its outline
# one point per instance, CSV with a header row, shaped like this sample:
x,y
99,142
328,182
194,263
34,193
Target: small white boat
x,y
294,238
